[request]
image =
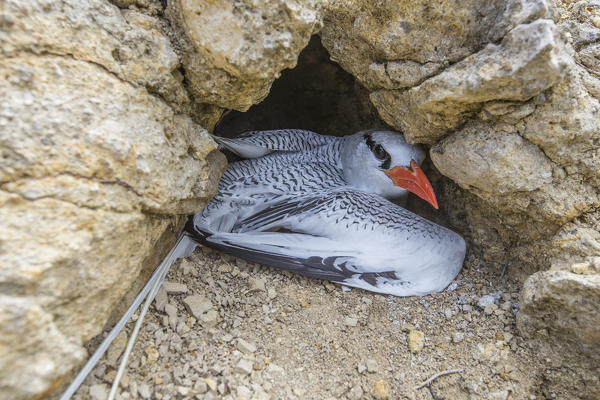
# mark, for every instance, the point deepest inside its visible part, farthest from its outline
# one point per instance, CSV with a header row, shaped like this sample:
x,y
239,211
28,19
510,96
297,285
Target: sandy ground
x,y
262,333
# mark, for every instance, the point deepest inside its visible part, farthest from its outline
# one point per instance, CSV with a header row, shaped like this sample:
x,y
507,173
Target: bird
x,y
330,208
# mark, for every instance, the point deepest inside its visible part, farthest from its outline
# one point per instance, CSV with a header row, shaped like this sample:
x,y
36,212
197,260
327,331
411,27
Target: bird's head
x,y
382,162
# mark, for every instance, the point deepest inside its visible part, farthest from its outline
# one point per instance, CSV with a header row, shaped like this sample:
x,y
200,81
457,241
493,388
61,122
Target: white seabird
x,y
319,206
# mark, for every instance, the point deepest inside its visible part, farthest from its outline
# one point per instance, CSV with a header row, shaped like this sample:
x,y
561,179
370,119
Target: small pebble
x,y
372,366
381,390
490,308
245,347
416,340
361,368
350,321
356,393
211,383
227,338
116,348
488,299
197,305
175,288
144,390
458,337
209,319
271,293
161,299
99,392
256,285
274,368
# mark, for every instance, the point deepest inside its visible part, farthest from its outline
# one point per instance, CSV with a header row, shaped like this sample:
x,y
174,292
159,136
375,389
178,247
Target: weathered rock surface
x,y
96,163
529,60
233,51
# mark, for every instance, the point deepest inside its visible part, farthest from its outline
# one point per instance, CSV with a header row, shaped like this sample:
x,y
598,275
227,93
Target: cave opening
x,y
318,95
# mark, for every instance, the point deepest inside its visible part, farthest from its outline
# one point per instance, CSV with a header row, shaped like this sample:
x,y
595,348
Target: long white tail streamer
x,y
183,247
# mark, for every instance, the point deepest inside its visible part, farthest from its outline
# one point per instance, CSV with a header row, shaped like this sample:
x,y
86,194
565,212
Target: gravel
x,y
243,331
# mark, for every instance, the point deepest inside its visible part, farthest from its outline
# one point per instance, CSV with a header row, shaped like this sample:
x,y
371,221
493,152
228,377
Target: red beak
x,y
414,180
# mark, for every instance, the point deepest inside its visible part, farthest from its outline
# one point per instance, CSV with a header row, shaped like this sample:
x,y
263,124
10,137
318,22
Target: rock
x,y
174,287
243,49
103,155
144,390
350,321
372,366
161,299
171,311
245,347
116,348
381,390
564,304
271,293
274,368
458,337
197,305
416,340
355,393
490,308
227,338
209,318
530,59
361,368
244,367
243,392
211,383
99,392
256,284
488,299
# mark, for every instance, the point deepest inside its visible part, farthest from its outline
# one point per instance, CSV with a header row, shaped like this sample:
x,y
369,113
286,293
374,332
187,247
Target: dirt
x,y
300,338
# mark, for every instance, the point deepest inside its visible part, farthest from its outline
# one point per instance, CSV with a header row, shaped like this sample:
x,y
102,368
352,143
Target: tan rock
x,y
232,53
565,304
416,340
529,60
94,171
381,390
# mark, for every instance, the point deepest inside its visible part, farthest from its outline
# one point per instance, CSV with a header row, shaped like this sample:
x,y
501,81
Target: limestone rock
x,y
125,43
372,39
491,160
529,60
97,162
232,52
565,304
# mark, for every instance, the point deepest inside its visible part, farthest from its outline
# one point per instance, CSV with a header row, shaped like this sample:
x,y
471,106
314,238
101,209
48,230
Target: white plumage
x,y
318,205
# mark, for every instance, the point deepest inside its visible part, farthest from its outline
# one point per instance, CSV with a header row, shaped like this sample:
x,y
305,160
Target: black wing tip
x,y
193,232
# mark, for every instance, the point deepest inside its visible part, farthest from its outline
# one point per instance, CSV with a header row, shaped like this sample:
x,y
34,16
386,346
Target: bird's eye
x,y
380,152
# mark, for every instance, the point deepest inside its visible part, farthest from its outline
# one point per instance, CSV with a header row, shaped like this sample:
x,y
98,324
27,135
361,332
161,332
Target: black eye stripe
x,y
378,151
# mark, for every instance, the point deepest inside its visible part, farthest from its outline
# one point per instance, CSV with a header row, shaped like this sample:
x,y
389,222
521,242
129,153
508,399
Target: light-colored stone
x,y
256,284
243,47
416,340
372,366
244,366
530,59
564,304
175,288
381,390
96,151
99,392
245,347
197,305
116,348
356,393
